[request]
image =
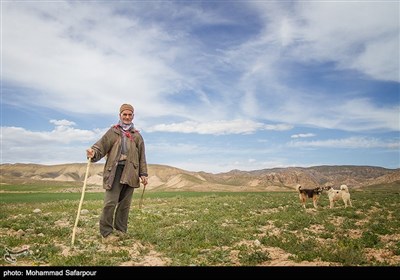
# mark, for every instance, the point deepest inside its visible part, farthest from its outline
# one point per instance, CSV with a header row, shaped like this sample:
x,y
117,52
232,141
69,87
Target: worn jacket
x,y
110,146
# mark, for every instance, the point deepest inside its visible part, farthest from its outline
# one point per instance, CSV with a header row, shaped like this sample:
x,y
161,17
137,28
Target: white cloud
x,y
82,62
63,144
362,114
217,127
278,127
338,33
356,35
379,60
351,142
302,135
62,123
88,58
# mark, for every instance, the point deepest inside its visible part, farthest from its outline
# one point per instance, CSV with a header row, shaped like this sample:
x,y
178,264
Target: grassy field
x,y
203,229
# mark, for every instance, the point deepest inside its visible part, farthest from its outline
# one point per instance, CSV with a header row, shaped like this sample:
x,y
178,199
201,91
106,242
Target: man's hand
x,y
90,153
144,180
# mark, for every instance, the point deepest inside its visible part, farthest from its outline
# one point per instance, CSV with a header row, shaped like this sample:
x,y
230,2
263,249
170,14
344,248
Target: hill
x,y
167,178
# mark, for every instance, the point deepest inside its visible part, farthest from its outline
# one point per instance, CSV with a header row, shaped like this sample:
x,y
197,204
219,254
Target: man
x,y
125,165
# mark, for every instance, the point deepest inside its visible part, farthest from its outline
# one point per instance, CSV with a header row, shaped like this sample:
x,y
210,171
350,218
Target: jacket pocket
x,y
108,177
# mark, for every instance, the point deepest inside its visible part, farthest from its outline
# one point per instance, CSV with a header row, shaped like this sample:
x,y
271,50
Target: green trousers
x,y
117,202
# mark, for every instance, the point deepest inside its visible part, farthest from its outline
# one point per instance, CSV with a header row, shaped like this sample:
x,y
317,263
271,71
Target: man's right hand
x,y
90,153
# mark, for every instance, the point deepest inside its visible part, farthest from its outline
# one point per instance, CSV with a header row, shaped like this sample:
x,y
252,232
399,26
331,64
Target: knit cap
x,y
126,107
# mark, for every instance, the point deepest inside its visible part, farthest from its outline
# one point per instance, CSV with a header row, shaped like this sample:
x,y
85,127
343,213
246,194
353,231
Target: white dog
x,y
335,195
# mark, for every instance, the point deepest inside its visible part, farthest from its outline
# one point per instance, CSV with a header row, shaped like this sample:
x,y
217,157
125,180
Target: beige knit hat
x,y
126,107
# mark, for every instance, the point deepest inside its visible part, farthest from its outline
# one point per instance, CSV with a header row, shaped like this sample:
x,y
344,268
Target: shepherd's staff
x,y
141,198
80,203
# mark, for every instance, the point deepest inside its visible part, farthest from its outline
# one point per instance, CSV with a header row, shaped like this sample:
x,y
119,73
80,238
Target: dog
x,y
335,195
309,193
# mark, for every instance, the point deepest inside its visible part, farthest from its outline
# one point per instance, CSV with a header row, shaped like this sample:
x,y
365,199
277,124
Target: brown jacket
x,y
110,145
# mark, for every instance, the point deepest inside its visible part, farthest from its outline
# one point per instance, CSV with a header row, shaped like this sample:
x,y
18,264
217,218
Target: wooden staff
x,y
141,198
80,203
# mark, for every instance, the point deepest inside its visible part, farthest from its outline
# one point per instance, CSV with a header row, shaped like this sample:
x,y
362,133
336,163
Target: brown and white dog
x,y
335,195
309,193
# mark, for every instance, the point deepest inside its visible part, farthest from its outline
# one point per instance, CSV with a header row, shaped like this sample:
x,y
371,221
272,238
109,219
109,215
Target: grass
x,y
204,229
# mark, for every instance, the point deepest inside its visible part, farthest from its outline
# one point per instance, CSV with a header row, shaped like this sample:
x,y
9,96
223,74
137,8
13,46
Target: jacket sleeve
x,y
142,158
103,146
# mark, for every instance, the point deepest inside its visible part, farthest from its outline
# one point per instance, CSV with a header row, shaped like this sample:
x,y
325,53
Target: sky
x,y
216,85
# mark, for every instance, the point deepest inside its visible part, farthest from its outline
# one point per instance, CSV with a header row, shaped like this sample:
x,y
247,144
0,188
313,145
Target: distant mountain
x,y
167,178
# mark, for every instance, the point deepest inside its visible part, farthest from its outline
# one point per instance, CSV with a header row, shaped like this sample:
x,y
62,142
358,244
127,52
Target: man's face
x,y
126,116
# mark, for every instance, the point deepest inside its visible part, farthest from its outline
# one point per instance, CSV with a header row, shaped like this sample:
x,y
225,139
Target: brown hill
x,y
167,178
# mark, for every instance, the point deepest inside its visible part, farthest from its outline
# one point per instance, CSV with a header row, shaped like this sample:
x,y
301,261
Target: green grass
x,y
204,229
42,197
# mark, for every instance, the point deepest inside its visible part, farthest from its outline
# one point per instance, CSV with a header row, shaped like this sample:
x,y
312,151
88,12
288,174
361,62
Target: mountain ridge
x,y
168,178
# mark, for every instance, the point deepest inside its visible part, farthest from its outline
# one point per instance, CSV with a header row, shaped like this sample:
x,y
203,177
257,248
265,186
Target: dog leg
x,y
348,202
315,200
302,201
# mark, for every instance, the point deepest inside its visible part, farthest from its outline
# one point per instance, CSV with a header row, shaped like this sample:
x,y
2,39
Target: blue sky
x,y
216,85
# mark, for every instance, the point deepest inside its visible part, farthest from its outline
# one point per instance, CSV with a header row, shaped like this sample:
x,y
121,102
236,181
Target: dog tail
x,y
344,188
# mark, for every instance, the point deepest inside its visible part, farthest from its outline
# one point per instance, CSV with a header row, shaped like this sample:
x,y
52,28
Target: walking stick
x,y
80,203
141,198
